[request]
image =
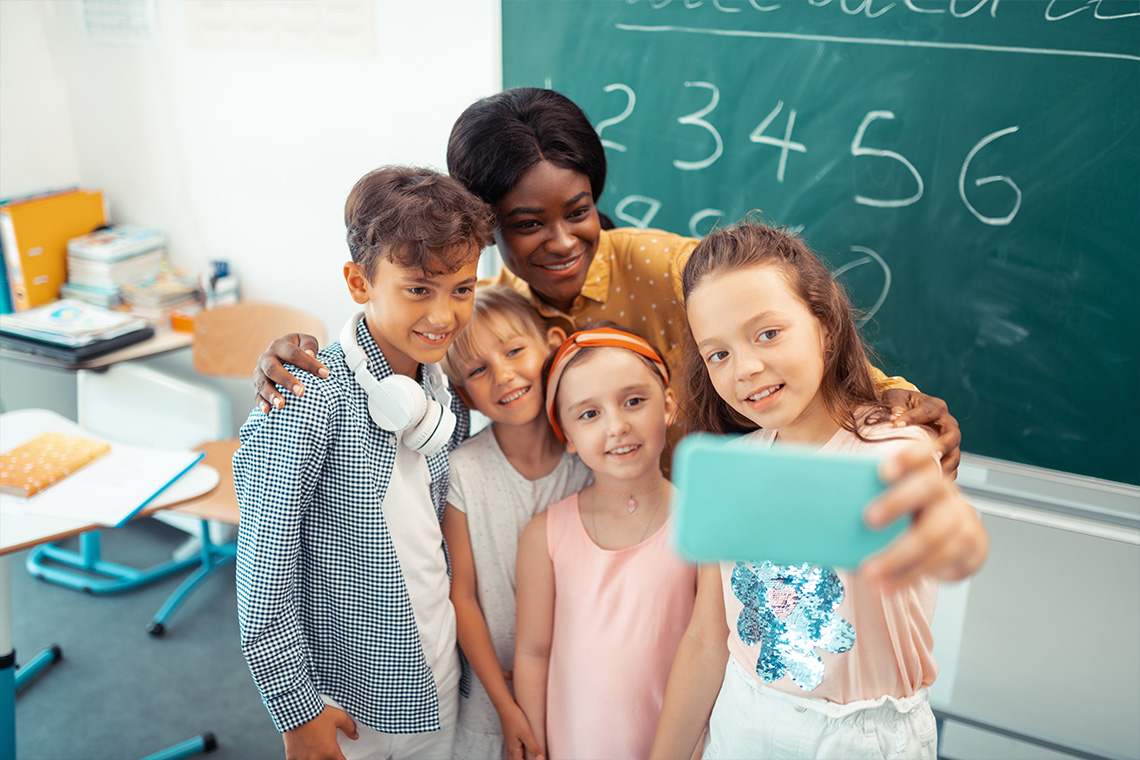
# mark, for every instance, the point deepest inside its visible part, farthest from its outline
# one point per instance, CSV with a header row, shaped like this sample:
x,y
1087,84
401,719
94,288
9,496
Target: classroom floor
x,y
120,693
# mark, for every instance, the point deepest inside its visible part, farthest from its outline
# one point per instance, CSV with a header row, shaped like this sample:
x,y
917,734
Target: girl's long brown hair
x,y
847,386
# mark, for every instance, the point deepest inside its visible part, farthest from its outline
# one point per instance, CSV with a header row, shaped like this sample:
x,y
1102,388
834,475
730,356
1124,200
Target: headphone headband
x,y
596,338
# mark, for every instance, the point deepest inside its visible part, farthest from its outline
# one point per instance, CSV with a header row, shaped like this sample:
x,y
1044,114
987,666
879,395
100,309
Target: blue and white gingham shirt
x,y
322,603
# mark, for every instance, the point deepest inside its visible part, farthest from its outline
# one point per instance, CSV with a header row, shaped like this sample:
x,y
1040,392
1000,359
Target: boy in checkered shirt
x,y
342,573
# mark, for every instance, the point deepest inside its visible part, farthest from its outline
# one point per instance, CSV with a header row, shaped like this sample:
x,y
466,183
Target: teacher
x,y
535,158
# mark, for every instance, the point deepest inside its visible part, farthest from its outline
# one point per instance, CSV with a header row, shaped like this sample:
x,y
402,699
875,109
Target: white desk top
x,y
20,531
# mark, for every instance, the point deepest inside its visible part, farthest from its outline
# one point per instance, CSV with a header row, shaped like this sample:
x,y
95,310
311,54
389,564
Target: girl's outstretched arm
x,y
946,538
535,626
697,674
475,637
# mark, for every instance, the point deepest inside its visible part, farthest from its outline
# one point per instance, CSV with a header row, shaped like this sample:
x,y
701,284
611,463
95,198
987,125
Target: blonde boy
x,y
500,479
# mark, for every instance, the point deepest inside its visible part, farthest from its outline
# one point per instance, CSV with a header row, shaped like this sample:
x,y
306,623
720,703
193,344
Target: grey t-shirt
x,y
499,502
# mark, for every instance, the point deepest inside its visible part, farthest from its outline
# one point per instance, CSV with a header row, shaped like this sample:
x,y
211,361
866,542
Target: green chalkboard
x,y
969,168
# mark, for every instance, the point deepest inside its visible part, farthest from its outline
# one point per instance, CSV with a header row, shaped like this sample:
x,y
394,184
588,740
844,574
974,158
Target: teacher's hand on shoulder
x,y
916,408
297,349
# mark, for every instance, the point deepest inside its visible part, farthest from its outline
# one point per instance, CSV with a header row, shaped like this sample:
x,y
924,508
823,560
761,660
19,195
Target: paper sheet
x,y
109,490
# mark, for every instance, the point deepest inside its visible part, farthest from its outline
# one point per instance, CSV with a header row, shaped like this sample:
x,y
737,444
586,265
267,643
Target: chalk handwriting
x,y
784,145
700,216
1055,10
868,258
641,222
697,119
996,221
857,149
631,99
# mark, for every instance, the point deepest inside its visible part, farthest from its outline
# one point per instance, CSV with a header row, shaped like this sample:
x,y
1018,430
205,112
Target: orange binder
x,y
34,234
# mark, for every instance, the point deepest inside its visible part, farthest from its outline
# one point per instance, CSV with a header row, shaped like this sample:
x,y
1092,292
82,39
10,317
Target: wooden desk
x,y
219,503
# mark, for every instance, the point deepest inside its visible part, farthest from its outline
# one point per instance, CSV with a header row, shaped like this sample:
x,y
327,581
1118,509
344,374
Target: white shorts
x,y
473,745
751,720
434,745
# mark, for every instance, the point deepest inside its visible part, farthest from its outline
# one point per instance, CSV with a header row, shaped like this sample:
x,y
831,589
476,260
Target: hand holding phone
x,y
742,501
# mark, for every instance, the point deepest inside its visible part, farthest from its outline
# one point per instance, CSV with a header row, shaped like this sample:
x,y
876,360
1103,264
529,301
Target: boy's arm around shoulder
x,y
276,471
535,624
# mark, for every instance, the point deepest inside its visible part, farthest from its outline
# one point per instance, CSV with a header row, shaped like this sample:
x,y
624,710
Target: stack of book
x,y
100,263
71,331
155,299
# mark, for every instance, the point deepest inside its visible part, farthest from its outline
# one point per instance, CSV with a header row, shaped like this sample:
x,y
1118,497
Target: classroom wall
x,y
239,127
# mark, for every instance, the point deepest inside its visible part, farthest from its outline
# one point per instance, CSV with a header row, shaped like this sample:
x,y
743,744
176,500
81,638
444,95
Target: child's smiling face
x,y
615,410
502,377
764,351
413,316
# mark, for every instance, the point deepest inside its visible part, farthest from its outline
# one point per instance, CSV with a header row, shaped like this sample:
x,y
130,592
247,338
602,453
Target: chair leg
x,y
203,743
33,667
211,557
8,704
86,570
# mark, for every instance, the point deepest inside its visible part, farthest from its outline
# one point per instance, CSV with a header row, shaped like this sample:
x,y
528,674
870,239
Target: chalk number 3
x,y
697,120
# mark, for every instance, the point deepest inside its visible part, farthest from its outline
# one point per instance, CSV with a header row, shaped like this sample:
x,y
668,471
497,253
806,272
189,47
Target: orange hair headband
x,y
599,337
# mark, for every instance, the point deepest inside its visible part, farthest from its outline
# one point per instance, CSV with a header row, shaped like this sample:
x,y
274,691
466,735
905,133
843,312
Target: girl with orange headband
x,y
602,599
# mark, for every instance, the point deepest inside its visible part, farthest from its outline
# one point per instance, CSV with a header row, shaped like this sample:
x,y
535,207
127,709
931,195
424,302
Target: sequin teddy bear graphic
x,y
789,610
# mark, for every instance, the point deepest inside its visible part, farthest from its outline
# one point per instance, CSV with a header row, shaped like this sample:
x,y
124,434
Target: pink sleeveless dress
x,y
618,618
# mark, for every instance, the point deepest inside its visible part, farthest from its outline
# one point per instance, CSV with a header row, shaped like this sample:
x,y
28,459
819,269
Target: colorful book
x,y
34,235
108,298
171,286
45,460
70,323
93,273
116,242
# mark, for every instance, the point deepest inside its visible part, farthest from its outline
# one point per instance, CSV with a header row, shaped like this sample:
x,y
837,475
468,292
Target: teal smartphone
x,y
741,501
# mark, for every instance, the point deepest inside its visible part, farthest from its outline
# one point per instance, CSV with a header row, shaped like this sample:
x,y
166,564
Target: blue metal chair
x,y
218,506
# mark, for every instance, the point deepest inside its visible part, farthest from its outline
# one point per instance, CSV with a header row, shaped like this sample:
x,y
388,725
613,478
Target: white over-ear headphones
x,y
398,403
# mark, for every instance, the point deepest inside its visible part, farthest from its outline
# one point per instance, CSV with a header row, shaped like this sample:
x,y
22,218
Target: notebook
x,y
74,354
45,460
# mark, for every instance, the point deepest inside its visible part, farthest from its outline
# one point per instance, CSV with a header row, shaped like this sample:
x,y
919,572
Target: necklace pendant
x,y
631,505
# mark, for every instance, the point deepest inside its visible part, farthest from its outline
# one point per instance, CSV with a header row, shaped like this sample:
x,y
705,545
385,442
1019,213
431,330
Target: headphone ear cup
x,y
397,403
434,430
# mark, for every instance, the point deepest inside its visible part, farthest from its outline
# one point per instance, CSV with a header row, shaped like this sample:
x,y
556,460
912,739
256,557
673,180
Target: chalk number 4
x,y
784,145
